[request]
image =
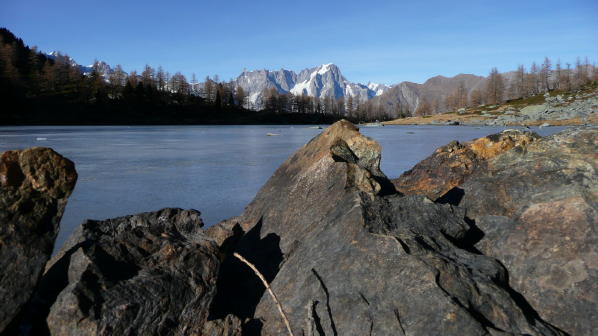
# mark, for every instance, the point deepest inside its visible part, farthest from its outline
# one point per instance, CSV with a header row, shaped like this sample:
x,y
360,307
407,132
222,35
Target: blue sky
x,y
380,41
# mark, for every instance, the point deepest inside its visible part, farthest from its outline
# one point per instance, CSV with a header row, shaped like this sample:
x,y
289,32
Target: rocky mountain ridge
x,y
103,67
322,81
408,95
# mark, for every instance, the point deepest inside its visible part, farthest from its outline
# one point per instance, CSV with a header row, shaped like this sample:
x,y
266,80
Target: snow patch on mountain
x,y
322,81
378,88
102,67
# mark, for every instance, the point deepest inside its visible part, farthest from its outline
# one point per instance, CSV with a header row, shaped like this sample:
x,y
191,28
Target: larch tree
x,y
534,80
517,86
48,78
96,77
133,79
8,62
117,77
240,96
495,87
208,87
558,74
340,107
193,83
161,79
147,76
546,74
179,84
350,106
567,78
581,76
424,108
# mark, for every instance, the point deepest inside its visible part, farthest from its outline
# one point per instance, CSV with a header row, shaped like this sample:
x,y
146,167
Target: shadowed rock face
x,y
450,165
538,209
148,274
344,251
35,184
358,258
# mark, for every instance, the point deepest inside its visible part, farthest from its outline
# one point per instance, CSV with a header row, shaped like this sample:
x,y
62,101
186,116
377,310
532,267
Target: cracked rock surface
x,y
535,207
34,186
358,258
148,274
538,210
492,237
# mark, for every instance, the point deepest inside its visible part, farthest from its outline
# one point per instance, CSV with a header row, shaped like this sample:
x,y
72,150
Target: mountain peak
x,y
325,80
328,67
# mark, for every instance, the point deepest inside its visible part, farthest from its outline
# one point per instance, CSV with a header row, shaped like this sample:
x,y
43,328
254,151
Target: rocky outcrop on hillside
x,y
34,186
570,108
582,107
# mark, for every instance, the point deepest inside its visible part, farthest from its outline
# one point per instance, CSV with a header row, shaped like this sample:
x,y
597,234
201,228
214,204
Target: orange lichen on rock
x,y
450,165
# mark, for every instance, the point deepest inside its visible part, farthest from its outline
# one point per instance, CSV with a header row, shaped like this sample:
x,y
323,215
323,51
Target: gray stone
x,y
359,258
535,206
148,274
538,210
35,185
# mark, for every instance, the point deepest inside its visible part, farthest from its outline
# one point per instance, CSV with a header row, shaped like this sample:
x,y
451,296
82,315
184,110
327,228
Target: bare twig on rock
x,y
255,270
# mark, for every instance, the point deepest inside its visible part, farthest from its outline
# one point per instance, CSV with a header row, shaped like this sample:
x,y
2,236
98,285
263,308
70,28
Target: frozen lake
x,y
215,169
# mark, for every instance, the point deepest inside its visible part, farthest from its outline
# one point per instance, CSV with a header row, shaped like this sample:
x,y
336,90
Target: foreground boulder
x,y
34,186
148,274
538,210
450,165
348,255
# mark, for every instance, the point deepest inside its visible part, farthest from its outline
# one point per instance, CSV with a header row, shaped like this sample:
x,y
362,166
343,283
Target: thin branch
x,y
284,316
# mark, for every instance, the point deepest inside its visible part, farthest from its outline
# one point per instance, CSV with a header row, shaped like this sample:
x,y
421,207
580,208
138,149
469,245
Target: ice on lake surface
x,y
214,169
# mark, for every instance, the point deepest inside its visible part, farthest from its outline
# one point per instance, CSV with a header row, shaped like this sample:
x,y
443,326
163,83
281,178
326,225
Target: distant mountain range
x,y
327,81
409,95
322,81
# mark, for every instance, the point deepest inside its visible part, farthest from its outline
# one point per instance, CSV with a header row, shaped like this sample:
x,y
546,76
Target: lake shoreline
x,y
327,226
114,160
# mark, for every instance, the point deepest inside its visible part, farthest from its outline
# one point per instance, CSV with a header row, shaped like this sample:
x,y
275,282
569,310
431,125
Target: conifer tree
x,y
161,79
240,96
545,74
558,75
209,89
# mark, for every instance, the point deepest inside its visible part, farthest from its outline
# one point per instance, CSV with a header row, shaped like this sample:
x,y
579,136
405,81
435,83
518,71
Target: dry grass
x,y
473,115
436,118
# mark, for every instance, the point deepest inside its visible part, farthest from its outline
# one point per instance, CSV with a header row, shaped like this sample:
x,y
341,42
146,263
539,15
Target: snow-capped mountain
x,y
378,89
103,68
322,81
255,82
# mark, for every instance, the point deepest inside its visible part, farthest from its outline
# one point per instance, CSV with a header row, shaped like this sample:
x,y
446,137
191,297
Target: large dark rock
x,y
350,256
345,252
148,274
450,165
34,186
538,209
